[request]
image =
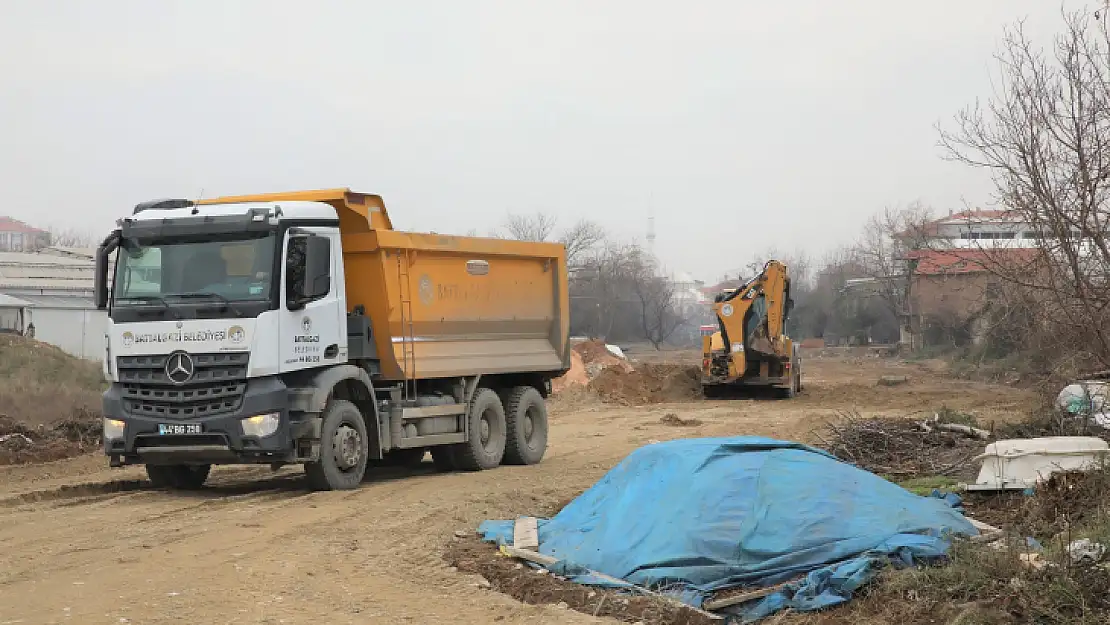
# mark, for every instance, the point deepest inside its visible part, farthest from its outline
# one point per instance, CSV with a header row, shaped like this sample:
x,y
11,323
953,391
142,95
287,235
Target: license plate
x,y
173,429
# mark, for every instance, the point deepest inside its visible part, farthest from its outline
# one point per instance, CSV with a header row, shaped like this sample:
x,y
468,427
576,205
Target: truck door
x,y
311,335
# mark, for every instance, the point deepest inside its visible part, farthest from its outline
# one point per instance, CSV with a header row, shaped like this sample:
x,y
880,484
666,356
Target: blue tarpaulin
x,y
714,513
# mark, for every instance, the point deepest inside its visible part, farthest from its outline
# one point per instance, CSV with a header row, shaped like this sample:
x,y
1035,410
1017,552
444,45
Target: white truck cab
x,y
210,308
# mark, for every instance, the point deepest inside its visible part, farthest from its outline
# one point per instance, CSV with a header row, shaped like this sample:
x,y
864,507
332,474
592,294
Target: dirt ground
x,y
81,543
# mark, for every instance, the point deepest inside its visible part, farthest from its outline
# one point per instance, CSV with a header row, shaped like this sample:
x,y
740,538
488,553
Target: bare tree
x,y
66,237
885,247
599,287
1044,137
659,314
580,239
535,227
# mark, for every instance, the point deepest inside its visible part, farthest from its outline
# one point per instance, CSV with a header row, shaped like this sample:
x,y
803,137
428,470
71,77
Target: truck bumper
x,y
221,439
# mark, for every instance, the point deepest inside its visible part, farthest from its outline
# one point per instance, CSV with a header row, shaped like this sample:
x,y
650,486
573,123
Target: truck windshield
x,y
227,268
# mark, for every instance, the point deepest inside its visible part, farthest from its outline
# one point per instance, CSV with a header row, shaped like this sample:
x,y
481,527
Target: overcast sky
x,y
741,125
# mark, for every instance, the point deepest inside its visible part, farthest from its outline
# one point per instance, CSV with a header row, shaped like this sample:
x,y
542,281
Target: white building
x,y
983,229
50,295
689,299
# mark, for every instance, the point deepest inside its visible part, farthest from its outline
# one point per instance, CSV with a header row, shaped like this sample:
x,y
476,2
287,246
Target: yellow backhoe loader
x,y
751,348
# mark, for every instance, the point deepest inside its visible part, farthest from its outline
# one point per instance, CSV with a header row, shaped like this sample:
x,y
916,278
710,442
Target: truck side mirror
x,y
100,280
308,270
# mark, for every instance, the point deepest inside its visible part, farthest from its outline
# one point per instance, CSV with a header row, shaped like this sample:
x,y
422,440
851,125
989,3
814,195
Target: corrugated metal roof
x,y
46,271
38,283
25,258
71,252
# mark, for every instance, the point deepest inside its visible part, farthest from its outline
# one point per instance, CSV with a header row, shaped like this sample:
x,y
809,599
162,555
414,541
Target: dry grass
x,y
49,402
40,385
990,585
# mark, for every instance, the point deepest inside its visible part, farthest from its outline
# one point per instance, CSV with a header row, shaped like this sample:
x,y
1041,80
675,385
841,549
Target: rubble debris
x,y
1086,551
1054,508
672,419
900,448
20,444
548,562
537,587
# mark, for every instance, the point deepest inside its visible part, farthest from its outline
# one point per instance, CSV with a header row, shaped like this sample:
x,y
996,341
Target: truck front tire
x,y
486,445
526,421
178,476
344,449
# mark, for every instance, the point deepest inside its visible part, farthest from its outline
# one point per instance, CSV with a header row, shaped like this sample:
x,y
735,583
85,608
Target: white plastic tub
x,y
1021,463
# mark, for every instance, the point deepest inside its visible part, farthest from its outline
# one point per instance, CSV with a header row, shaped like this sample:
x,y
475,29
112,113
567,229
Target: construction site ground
x,y
82,543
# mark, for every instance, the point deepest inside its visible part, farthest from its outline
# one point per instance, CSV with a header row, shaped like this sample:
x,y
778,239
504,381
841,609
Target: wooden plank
x,y
526,533
732,600
982,527
963,429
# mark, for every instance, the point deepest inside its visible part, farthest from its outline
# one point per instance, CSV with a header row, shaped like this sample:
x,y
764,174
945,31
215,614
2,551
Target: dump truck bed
x,y
446,306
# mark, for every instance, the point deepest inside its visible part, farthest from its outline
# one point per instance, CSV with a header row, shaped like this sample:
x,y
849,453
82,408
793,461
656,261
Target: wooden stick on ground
x,y
717,604
963,429
541,559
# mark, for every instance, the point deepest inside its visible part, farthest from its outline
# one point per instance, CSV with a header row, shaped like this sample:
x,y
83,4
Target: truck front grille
x,y
217,385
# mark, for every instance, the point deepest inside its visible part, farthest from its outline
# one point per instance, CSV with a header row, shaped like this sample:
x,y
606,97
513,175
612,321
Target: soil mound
x,y
648,384
49,402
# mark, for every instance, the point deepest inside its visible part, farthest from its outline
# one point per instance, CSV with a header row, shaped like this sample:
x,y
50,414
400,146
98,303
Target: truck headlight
x,y
261,425
113,429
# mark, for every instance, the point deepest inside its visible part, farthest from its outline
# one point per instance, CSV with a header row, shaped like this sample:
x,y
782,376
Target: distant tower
x,y
651,232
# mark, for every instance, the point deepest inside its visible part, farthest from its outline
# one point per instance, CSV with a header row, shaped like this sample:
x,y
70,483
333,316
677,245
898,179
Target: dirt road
x,y
80,543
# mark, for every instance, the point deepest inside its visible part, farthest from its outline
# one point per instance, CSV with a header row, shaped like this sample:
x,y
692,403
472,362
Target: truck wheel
x,y
443,458
178,476
343,449
792,391
526,426
486,446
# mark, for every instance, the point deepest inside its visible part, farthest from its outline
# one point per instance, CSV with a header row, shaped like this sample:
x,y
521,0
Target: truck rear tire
x,y
486,446
792,391
344,449
526,426
178,476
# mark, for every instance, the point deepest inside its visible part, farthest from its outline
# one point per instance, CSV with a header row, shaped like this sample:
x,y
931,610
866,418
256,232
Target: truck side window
x,y
294,267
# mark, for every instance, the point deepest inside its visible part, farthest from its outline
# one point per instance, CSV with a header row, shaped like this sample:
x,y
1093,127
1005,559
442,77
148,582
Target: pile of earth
x,y
49,402
648,384
587,360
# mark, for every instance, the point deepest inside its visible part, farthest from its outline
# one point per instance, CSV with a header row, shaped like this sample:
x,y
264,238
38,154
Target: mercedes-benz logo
x,y
179,368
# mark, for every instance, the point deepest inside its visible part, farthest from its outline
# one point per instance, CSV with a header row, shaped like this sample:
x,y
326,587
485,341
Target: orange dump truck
x,y
300,328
